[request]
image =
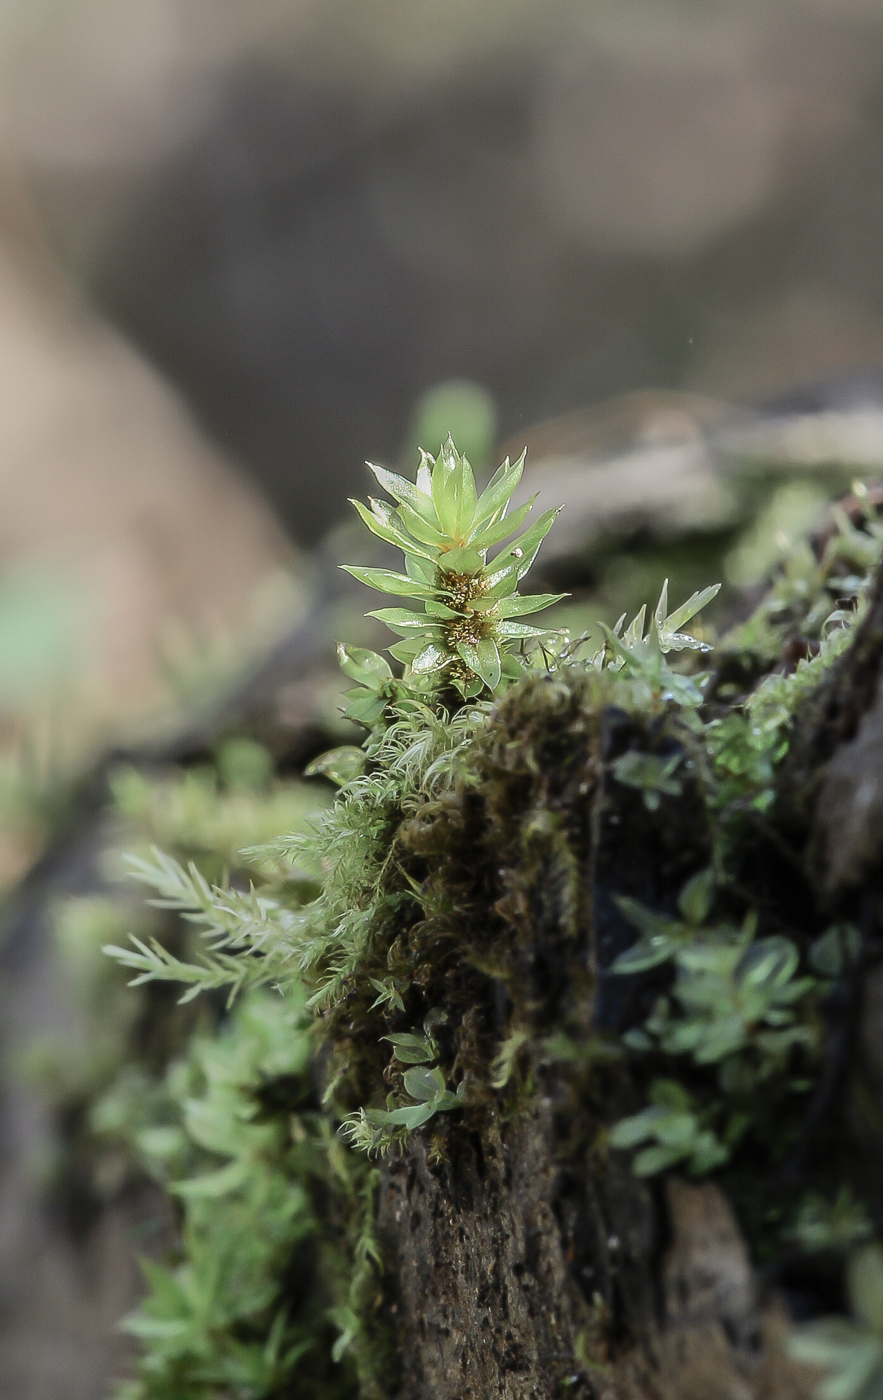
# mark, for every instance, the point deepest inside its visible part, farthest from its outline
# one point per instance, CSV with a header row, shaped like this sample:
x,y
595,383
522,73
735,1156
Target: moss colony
x,y
565,941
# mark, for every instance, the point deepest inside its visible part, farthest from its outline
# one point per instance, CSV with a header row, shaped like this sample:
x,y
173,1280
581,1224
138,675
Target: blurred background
x,y
244,247
242,244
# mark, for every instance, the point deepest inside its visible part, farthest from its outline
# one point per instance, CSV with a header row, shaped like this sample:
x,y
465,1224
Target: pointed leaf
x,y
499,489
424,474
386,581
518,629
647,953
662,608
410,1117
500,583
436,609
412,1049
645,920
489,662
635,630
697,897
401,617
381,523
520,604
460,560
502,529
523,551
406,650
402,490
694,604
466,498
422,570
340,765
365,707
444,489
431,658
422,529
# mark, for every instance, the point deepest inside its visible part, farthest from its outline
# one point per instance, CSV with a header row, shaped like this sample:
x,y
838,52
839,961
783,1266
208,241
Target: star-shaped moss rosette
x,y
462,619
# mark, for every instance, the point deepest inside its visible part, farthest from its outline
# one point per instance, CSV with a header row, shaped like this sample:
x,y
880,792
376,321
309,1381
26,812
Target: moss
x,y
550,928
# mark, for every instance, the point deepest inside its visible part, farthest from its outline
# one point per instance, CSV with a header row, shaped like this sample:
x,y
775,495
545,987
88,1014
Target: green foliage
x,y
839,1225
736,1002
676,1132
849,1351
651,775
462,620
661,937
219,1318
227,1315
376,1130
414,760
215,811
331,912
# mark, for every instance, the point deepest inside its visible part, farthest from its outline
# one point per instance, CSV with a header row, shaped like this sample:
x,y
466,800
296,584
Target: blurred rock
x,y
108,487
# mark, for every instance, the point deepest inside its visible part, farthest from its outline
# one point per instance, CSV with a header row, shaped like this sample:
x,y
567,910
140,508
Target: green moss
x,y
543,890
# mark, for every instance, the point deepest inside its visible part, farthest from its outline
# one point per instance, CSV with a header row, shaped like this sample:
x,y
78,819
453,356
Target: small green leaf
x,y
694,604
430,658
628,1132
412,1049
340,765
499,490
518,629
402,617
403,490
520,604
410,1117
488,662
647,953
492,534
838,948
421,528
387,581
459,560
697,897
668,1093
382,523
523,551
657,1159
424,1084
364,666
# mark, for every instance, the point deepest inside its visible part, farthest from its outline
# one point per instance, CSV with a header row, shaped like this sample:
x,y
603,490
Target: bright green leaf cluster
x,y
375,1130
463,611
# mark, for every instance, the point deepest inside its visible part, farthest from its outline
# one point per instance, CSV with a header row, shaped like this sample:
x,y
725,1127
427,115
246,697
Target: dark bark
x,y
522,1262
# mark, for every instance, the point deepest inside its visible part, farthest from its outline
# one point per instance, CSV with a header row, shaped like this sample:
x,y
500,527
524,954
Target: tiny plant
x,y
462,618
